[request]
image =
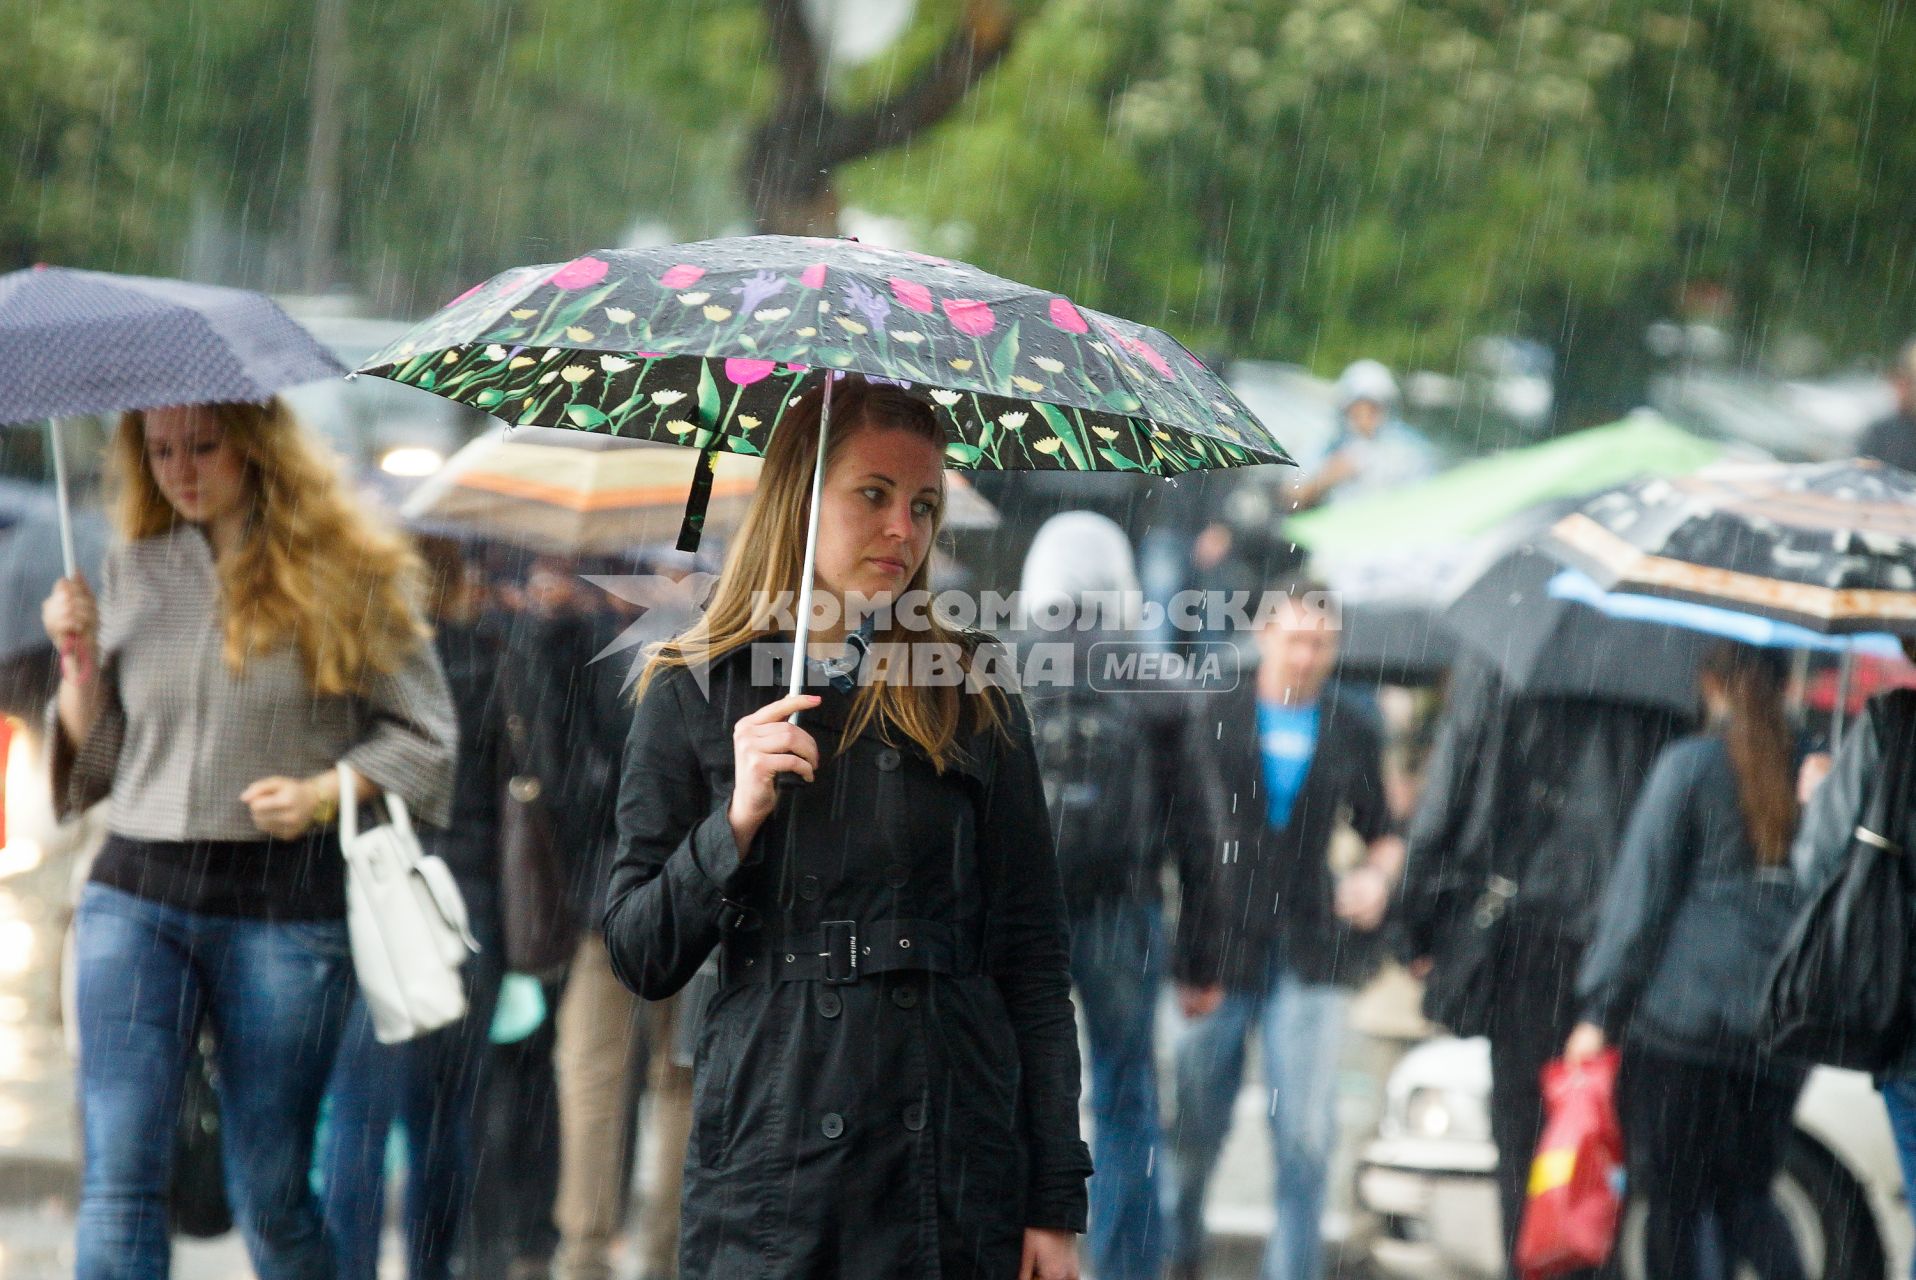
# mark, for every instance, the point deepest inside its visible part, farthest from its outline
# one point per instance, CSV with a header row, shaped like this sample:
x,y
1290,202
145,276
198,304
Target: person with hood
x,y
1695,911
1106,755
1522,809
1373,449
1292,864
886,1082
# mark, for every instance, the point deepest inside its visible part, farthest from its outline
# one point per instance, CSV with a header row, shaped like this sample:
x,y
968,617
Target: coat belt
x,y
840,952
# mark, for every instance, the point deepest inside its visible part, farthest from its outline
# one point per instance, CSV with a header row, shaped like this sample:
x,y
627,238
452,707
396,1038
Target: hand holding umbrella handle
x,y
72,623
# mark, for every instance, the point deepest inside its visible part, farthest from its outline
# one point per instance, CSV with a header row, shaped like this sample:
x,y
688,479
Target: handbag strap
x,y
396,811
348,803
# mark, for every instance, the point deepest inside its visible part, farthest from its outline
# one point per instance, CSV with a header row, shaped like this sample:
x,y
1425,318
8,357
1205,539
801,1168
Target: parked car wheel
x,y
1835,1234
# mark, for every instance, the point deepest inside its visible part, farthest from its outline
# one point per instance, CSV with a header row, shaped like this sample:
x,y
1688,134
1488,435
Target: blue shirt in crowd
x,y
1287,738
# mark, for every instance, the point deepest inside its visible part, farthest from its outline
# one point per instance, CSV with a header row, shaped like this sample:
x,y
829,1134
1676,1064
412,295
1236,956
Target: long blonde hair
x,y
767,559
315,567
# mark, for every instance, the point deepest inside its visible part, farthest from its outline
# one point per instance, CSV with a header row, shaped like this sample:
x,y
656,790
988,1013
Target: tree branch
x,y
788,165
974,49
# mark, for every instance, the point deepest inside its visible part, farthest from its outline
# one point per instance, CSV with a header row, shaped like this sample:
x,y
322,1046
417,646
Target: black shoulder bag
x,y
1838,992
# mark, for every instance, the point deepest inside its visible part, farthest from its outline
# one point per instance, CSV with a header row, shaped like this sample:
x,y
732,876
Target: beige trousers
x,y
668,1127
597,1049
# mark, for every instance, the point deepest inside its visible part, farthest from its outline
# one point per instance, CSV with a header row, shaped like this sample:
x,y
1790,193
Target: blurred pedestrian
x,y
1293,863
1834,810
1106,755
1696,909
583,713
1374,449
1522,809
430,1085
255,628
1893,439
887,1080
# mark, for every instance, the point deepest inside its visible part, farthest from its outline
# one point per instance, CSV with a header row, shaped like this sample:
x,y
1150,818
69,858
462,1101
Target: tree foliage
x,y
1299,179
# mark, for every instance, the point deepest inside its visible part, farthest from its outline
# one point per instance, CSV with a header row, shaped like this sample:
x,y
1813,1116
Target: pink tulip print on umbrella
x,y
708,344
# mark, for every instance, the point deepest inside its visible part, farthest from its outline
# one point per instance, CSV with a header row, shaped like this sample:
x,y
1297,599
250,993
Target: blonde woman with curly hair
x,y
254,628
887,1080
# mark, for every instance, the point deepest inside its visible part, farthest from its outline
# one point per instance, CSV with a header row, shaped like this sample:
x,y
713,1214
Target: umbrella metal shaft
x,y
811,547
68,559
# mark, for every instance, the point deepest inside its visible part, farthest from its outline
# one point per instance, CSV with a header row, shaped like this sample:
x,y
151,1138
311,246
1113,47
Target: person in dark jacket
x,y
1893,439
1697,906
1105,752
1522,809
429,1085
1292,863
887,1079
577,739
1836,797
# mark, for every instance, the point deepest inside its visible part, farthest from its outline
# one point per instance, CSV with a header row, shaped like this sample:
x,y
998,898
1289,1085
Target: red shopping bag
x,y
1576,1181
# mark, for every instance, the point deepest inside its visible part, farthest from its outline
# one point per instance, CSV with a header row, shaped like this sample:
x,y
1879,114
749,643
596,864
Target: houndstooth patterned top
x,y
181,734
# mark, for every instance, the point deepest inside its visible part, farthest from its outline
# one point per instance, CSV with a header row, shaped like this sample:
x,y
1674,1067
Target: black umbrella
x,y
1545,646
1394,643
1829,546
709,345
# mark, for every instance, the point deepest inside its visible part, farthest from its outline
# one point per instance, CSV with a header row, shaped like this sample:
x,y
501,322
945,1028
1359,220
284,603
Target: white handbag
x,y
407,922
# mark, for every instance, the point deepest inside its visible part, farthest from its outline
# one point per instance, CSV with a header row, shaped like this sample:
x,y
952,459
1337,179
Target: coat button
x,y
905,997
808,887
888,759
833,1125
915,1116
829,1003
897,875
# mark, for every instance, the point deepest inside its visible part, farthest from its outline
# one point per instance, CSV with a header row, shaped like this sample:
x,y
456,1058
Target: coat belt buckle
x,y
841,952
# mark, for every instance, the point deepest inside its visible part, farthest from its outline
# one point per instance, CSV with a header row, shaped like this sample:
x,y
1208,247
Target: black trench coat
x,y
887,1080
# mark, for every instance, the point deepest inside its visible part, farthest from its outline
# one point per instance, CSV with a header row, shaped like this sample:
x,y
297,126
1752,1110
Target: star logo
x,y
668,607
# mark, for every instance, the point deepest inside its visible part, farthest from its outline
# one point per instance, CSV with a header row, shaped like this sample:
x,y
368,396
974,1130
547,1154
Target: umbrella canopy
x,y
1828,546
1398,559
1744,628
578,493
1545,644
565,492
87,342
708,344
1477,497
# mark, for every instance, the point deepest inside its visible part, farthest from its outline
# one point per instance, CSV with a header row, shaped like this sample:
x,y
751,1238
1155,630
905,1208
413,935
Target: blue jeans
x,y
276,994
1117,961
431,1086
1899,1096
1302,1025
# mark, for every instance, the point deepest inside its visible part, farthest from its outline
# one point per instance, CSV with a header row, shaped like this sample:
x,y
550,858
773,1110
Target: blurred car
x,y
1428,1176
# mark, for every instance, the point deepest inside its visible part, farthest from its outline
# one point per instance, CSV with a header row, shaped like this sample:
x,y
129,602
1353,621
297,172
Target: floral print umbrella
x,y
708,344
1830,546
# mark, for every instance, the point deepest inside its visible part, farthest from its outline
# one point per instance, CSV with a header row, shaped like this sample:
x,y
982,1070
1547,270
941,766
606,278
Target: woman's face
x,y
879,506
195,465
